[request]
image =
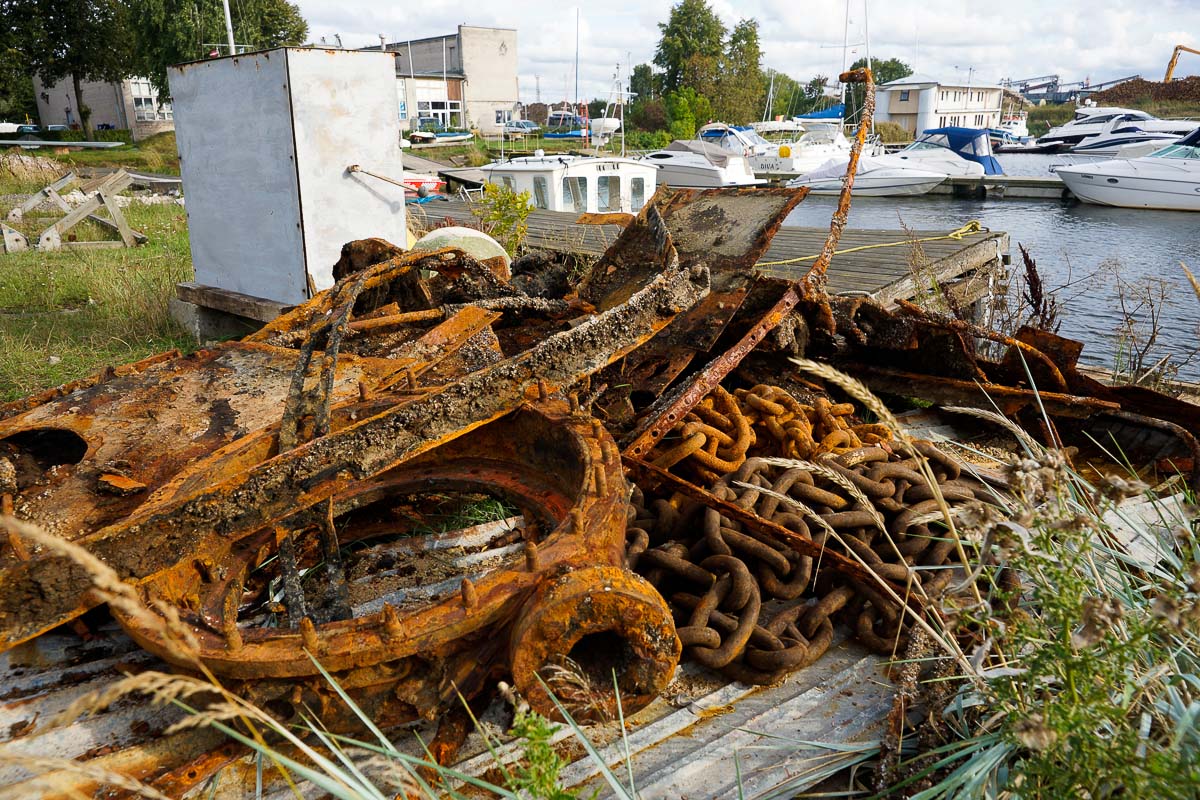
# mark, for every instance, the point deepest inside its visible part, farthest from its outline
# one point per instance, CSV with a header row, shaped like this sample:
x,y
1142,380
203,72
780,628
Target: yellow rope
x,y
971,227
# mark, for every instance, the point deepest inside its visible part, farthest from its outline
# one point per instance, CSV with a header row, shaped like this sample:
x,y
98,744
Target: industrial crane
x,y
1179,48
1024,85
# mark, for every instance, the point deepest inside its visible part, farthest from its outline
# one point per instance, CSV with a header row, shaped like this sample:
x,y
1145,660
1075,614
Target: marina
x,y
452,412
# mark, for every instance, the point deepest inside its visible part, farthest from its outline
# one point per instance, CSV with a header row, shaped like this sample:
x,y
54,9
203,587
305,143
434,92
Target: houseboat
x,y
577,183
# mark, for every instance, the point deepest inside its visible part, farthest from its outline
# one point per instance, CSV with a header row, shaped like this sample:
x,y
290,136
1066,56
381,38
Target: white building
x,y
466,79
920,102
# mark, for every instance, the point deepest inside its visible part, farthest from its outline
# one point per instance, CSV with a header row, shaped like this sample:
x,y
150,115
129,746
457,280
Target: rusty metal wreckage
x,y
635,473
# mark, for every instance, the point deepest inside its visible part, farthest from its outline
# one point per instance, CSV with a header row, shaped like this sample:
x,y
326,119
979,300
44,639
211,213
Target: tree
x,y
17,101
692,29
88,40
738,94
686,110
892,69
172,31
642,83
649,115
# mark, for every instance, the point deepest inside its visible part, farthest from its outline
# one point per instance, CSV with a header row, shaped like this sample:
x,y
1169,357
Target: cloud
x,y
1076,39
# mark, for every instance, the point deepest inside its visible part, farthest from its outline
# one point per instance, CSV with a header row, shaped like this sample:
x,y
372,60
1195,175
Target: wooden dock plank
x,y
881,271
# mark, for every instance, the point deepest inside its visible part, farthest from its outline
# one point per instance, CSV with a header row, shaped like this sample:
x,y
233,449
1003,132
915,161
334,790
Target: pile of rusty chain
x,y
718,433
756,609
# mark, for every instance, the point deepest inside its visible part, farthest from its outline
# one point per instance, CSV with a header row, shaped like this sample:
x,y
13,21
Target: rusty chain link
x,y
756,609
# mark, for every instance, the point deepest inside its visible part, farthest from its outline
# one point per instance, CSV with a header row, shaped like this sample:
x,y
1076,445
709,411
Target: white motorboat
x,y
1118,134
877,176
779,158
1168,178
577,183
936,155
699,164
1090,121
952,150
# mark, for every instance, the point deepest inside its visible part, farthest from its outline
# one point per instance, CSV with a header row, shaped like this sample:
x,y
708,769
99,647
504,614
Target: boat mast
x,y
770,97
845,48
867,38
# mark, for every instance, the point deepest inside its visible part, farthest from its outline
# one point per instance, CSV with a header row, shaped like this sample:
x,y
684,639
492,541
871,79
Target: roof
x,y
923,79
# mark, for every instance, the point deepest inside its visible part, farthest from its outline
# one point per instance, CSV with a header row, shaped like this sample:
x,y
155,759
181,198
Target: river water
x,y
1083,251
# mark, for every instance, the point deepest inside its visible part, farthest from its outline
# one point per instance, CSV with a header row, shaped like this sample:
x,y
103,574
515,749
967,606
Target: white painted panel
x,y
345,112
234,132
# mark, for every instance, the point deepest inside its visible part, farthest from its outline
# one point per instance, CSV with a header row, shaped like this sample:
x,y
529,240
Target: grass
x,y
155,154
69,313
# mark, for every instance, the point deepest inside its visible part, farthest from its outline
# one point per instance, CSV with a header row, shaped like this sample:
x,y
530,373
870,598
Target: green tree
x,y
172,31
891,69
86,40
738,94
17,100
692,29
642,83
686,110
649,115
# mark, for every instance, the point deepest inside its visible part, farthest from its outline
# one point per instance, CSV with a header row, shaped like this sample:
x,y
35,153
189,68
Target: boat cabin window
x,y
575,194
541,193
637,194
608,193
507,181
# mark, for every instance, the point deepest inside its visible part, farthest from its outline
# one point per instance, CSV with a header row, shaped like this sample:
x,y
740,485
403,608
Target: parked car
x,y
28,130
520,127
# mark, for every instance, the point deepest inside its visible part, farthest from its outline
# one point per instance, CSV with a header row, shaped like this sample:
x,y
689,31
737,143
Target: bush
x,y
124,136
647,140
891,133
503,213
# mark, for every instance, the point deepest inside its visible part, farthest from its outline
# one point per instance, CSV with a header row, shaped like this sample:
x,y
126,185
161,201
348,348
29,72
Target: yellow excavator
x,y
1179,48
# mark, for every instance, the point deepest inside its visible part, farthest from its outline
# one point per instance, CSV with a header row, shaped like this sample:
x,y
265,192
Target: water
x,y
1080,250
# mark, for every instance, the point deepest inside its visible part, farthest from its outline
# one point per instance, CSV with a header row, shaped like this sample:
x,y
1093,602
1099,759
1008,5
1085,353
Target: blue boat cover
x,y
970,143
833,112
1192,139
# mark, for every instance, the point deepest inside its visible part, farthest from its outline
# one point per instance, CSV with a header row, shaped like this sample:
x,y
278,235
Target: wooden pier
x,y
869,262
999,187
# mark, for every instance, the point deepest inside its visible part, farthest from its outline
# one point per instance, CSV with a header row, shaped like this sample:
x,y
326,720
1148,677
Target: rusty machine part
x,y
562,473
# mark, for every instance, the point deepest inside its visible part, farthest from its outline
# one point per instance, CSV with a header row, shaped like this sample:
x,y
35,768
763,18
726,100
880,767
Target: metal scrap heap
x,y
671,482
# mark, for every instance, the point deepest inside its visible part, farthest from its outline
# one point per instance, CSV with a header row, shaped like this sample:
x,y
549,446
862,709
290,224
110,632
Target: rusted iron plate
x,y
47,591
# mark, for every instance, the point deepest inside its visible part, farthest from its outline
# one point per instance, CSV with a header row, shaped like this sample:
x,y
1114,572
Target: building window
x,y
503,116
637,194
402,99
608,193
146,107
575,194
447,112
541,193
904,96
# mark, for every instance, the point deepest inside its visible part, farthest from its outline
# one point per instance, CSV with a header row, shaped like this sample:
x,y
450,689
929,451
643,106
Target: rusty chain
x,y
756,609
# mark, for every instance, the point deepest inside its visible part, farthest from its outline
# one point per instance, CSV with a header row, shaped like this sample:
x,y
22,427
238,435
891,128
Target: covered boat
x,y
699,164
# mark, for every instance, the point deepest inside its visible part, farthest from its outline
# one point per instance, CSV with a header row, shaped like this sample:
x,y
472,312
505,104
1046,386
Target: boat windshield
x,y
1177,151
1187,147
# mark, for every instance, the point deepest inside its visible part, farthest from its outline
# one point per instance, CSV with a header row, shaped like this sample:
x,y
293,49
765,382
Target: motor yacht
x,y
877,176
1090,121
934,156
778,159
577,183
700,164
1122,138
1168,178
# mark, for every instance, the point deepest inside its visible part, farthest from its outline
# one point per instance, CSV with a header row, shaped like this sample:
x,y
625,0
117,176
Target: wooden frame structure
x,y
101,193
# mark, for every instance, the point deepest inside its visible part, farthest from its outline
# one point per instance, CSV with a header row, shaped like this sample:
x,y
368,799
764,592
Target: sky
x,y
948,39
